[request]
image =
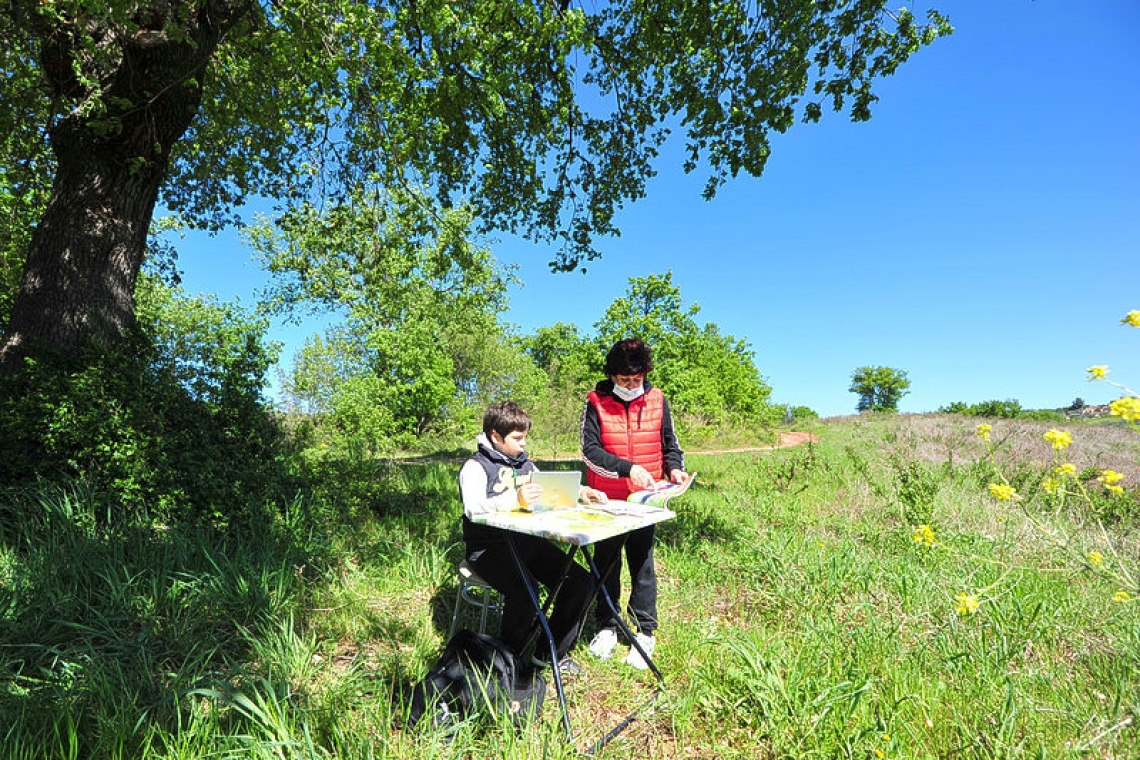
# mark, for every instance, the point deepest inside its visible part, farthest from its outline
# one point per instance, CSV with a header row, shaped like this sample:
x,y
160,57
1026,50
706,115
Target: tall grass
x,y
802,616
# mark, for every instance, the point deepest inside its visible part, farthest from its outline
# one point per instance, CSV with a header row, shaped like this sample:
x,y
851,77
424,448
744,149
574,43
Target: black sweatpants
x,y
544,559
643,578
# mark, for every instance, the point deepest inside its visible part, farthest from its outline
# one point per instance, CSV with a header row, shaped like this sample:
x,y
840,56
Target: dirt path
x,y
785,441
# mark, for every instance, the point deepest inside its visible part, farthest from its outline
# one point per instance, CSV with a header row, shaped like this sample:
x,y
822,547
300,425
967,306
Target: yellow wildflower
x,y
1108,477
1115,490
1059,439
1068,468
984,431
923,534
1096,559
1121,596
966,604
886,737
1131,318
1097,372
880,754
1003,492
1050,485
1127,408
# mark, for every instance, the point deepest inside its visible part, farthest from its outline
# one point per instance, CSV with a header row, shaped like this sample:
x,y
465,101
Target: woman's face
x,y
629,382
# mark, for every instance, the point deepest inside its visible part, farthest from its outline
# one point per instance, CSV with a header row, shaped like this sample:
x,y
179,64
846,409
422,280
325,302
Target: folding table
x,y
579,528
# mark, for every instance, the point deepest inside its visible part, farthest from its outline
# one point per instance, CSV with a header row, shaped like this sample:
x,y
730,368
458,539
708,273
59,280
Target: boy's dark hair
x,y
505,418
628,357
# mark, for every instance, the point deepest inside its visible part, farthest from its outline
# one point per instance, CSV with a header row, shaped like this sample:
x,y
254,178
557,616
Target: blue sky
x,y
981,232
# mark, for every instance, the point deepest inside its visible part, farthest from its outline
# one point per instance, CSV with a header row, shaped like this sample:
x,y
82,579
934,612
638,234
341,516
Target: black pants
x,y
492,561
643,578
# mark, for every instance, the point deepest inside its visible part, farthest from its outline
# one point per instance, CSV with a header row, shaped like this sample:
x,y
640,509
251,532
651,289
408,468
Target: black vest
x,y
501,475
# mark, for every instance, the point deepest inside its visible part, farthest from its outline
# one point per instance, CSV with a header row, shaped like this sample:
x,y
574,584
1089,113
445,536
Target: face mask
x,y
628,394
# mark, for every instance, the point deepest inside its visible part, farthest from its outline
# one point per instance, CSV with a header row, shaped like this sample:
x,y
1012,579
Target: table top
x,y
579,526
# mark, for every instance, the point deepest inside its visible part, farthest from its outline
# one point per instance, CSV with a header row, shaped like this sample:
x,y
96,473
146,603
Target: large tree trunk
x,y
79,279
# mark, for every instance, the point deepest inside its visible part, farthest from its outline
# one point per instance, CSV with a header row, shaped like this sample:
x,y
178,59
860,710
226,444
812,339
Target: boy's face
x,y
512,444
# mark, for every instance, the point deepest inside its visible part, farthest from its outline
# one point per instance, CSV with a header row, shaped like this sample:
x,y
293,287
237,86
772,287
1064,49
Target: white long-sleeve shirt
x,y
473,490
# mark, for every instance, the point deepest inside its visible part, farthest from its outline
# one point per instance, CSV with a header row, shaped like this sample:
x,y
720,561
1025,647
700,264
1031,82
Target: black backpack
x,y
477,676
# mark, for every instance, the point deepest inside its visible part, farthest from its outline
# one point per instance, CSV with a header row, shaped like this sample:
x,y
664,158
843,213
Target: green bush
x,y
803,413
1043,415
170,421
1010,409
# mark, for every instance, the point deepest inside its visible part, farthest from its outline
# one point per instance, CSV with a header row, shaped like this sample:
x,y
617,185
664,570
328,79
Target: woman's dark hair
x,y
628,357
505,418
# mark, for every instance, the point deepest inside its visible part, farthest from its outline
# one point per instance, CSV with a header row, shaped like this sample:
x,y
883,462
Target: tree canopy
x,y
538,117
706,374
880,388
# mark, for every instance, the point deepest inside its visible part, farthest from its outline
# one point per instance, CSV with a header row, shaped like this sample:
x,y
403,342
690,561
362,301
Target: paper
x,y
661,493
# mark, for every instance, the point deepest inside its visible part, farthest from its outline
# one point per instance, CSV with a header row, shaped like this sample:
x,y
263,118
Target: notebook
x,y
559,489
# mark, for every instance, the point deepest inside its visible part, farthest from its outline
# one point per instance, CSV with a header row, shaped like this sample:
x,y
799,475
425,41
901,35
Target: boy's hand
x,y
591,494
529,493
680,477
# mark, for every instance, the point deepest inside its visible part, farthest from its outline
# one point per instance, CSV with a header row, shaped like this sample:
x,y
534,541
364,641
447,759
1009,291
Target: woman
x,y
628,443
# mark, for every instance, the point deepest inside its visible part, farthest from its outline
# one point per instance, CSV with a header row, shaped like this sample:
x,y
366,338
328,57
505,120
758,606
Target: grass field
x,y
864,596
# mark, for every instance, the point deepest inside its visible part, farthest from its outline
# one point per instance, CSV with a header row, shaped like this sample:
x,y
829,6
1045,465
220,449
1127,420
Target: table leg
x,y
544,623
615,566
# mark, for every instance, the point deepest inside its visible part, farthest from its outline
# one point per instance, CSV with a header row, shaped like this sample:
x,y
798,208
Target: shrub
x,y
803,413
170,421
1010,409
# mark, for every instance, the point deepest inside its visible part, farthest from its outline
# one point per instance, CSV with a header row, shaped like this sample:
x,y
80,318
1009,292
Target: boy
x,y
497,479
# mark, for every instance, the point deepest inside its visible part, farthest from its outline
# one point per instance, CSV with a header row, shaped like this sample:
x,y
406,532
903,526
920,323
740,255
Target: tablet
x,y
559,488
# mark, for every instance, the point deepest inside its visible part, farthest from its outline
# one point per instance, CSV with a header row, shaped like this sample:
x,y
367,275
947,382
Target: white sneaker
x,y
603,644
634,658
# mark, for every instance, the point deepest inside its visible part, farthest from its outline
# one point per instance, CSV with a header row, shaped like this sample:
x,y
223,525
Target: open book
x,y
661,492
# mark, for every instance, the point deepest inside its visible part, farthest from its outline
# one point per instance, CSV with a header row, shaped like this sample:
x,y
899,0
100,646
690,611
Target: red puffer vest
x,y
633,434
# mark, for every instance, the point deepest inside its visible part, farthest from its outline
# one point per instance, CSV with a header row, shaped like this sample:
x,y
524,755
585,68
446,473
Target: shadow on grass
x,y
105,624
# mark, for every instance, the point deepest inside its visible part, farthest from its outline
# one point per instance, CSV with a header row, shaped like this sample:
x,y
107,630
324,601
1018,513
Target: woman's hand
x,y
640,477
680,477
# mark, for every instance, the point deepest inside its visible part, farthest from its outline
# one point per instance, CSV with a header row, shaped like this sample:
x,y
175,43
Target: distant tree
x,y
800,413
1009,409
707,375
570,363
570,360
879,388
1078,403
419,342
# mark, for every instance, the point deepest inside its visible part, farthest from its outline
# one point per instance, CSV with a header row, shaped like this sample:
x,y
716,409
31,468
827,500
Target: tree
x,y
570,360
571,364
545,119
879,388
709,377
650,309
420,341
1009,409
171,420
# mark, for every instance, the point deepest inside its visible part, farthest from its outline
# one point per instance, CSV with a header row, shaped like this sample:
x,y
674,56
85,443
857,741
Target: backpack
x,y
477,676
